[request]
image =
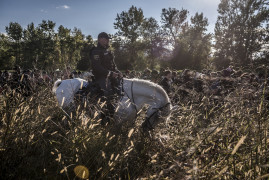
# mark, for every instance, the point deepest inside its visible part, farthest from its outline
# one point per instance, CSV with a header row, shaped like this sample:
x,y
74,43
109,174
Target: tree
x,y
84,62
121,53
240,31
129,23
41,47
64,40
193,46
14,31
173,23
75,46
45,44
200,41
153,42
7,60
129,26
31,46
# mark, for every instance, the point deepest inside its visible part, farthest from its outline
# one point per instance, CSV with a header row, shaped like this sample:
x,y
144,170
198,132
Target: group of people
x,y
106,75
207,83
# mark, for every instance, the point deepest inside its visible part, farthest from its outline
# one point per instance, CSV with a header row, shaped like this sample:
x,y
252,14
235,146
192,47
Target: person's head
x,y
147,71
104,39
154,72
168,74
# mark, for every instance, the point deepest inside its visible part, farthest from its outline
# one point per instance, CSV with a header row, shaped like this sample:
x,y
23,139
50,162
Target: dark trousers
x,y
109,97
105,86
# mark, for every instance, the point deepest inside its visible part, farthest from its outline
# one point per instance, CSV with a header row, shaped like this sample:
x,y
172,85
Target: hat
x,y
104,35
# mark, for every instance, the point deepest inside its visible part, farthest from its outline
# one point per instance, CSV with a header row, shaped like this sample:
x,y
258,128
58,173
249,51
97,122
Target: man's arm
x,y
116,71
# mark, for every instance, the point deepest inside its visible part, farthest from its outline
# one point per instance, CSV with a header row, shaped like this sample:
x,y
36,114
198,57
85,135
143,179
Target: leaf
x,y
263,177
47,119
95,115
63,170
139,111
22,78
103,154
16,112
130,133
112,156
117,157
217,130
81,172
221,172
63,100
81,85
59,157
116,110
103,104
241,141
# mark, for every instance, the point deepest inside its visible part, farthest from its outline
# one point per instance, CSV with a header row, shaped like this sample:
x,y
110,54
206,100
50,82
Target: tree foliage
x,y
43,48
14,31
173,23
178,41
193,47
129,26
241,31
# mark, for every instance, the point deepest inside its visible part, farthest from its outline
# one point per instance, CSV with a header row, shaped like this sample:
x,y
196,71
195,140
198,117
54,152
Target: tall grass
x,y
205,139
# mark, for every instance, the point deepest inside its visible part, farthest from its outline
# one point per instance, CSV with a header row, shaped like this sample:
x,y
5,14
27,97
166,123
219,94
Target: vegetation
x,y
204,139
241,39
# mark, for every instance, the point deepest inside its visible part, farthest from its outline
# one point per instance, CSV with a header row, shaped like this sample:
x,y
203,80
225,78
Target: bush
x,y
205,139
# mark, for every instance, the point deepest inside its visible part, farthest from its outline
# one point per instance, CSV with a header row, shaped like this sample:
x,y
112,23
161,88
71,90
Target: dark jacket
x,y
102,62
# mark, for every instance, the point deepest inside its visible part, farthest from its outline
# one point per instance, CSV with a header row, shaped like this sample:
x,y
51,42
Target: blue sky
x,y
94,16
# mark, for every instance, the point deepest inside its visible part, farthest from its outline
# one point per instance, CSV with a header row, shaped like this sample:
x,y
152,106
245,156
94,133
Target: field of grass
x,y
204,139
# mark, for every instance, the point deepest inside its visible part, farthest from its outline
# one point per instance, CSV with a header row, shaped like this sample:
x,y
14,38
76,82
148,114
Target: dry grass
x,y
204,140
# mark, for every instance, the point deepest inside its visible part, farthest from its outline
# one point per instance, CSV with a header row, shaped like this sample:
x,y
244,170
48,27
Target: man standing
x,y
103,65
105,73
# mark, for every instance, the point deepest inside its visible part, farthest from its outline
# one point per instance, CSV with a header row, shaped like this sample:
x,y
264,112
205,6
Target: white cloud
x,y
63,7
66,7
43,11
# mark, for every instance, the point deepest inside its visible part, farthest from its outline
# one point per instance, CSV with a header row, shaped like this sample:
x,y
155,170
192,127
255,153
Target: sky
x,y
95,16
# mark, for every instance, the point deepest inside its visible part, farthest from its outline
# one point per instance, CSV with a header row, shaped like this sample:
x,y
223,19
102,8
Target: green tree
x,y
129,26
75,46
173,23
152,38
240,31
129,23
31,46
64,40
7,59
121,53
46,38
200,41
14,31
193,47
84,62
39,45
